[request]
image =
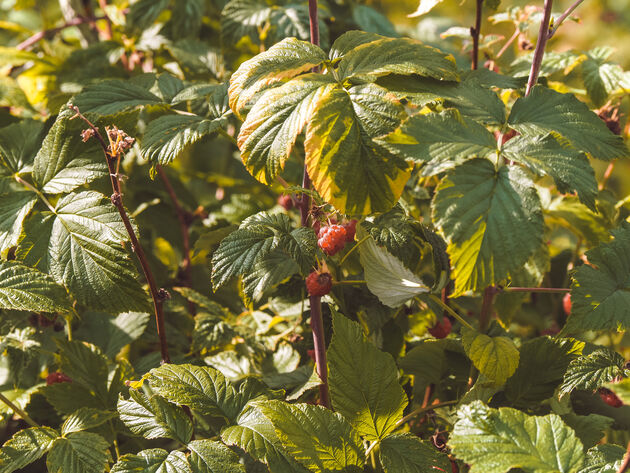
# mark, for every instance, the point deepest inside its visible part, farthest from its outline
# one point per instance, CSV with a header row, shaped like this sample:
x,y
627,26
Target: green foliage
x,y
468,205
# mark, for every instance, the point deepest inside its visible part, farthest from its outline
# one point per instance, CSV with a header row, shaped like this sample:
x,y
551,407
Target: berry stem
x,y
158,295
349,282
361,241
457,317
317,324
552,290
18,411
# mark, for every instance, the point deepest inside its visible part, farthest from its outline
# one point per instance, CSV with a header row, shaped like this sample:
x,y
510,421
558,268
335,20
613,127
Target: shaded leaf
x,y
26,446
24,288
78,452
495,357
406,453
589,372
207,456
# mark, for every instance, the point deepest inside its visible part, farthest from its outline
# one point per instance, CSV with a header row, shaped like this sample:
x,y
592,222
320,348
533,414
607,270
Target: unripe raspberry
x,y
441,329
332,239
319,283
566,303
609,397
351,230
57,377
285,201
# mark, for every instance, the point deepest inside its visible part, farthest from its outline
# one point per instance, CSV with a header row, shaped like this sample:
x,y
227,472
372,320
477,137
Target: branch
x,y
29,42
563,17
625,465
543,36
486,307
184,227
475,31
552,290
113,153
18,411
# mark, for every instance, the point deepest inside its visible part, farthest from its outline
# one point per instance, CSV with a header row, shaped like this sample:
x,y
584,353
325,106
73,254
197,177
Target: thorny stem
x,y
317,324
18,411
458,317
158,295
29,42
543,36
563,17
553,290
184,226
625,464
475,32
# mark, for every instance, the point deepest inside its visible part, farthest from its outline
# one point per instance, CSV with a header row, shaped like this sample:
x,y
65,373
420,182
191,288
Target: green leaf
x,y
292,20
284,60
443,139
604,458
583,222
243,18
601,78
372,21
167,137
495,357
600,292
207,456
64,162
590,429
153,417
321,440
382,56
257,238
143,13
66,398
155,460
543,362
545,155
111,334
85,418
24,288
15,207
497,440
114,96
492,220
589,372
203,389
272,126
19,143
78,452
26,446
187,18
545,110
255,434
406,453
386,276
80,246
347,168
85,364
363,381
621,389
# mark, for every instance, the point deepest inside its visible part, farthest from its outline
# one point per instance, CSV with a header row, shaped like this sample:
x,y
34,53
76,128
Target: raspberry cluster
x,y
332,238
441,329
319,283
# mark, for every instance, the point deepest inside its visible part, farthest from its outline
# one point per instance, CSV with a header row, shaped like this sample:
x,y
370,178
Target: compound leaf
x,y
155,460
492,219
114,96
604,458
207,456
589,372
363,381
85,418
15,207
497,440
26,446
78,452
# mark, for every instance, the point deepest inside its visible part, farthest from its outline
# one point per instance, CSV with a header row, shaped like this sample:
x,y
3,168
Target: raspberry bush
x,y
268,236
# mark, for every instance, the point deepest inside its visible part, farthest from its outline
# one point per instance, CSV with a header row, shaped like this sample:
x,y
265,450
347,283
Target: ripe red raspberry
x,y
566,303
332,239
57,377
609,397
441,329
285,201
318,283
351,230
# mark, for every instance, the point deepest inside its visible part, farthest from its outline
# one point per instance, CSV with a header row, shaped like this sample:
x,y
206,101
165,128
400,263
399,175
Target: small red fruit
x,y
57,377
331,239
609,397
285,201
351,230
441,329
566,303
319,283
